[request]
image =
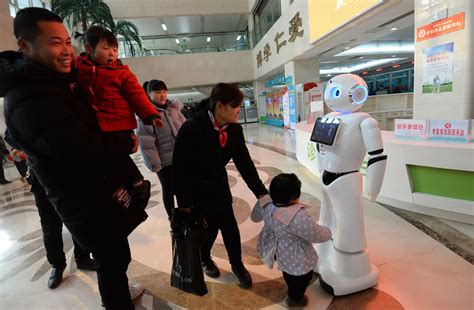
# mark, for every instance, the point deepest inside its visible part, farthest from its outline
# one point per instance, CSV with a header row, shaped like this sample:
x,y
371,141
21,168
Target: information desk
x,y
434,178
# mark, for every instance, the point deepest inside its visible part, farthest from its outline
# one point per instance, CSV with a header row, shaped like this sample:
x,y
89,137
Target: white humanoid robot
x,y
343,137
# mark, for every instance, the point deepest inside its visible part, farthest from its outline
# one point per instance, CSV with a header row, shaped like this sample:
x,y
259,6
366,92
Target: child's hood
x,y
286,214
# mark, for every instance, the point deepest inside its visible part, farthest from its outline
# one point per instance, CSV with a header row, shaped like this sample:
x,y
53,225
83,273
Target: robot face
x,y
346,93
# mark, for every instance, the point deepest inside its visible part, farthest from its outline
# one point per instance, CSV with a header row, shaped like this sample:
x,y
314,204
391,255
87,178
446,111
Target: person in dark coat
x,y
65,146
204,146
3,154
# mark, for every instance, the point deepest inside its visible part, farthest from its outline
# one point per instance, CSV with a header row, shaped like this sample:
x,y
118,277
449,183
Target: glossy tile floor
x,y
417,271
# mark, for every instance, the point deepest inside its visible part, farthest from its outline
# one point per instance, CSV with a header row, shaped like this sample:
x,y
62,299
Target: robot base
x,y
345,273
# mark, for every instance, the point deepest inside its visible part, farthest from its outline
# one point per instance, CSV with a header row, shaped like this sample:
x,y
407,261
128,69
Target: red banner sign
x,y
440,27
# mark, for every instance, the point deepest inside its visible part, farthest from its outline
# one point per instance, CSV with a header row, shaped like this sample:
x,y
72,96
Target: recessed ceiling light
x,y
208,39
347,47
361,57
177,41
164,27
238,37
394,56
394,28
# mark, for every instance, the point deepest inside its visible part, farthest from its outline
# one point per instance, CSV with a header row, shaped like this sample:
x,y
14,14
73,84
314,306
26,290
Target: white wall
x,y
459,103
194,69
122,9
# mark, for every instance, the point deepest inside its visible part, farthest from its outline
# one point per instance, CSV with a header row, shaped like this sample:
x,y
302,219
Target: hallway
x,y
417,271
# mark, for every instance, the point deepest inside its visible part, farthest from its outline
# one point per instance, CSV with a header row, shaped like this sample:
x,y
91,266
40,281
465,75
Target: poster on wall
x,y
286,109
449,130
438,69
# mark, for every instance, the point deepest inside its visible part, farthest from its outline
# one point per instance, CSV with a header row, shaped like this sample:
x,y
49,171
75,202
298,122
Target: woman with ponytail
x,y
205,145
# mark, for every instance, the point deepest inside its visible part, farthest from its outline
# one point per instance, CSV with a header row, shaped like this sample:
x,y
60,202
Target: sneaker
x,y
210,269
242,275
86,263
302,303
135,290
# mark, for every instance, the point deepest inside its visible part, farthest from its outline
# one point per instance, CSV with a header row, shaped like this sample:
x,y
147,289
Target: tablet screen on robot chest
x,y
325,130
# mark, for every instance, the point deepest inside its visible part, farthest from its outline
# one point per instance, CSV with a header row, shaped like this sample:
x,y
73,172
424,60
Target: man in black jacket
x,y
204,146
65,146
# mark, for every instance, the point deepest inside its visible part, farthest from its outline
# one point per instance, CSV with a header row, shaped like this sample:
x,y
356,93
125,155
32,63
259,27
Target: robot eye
x,y
336,92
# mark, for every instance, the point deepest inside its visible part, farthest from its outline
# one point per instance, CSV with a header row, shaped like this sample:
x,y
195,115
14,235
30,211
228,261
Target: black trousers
x,y
52,226
165,176
122,168
222,219
2,172
297,285
102,233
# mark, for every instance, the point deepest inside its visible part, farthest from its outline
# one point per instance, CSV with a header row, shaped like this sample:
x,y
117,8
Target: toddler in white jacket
x,y
288,236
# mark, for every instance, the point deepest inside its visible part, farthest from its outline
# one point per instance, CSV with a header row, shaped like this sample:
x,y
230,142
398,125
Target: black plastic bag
x,y
188,231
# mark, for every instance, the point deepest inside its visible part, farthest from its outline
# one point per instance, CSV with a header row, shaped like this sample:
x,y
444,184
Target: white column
x,y
459,103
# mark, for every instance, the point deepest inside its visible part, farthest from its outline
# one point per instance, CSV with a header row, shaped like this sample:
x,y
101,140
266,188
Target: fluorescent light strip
x,y
177,41
208,39
238,38
358,67
164,27
381,49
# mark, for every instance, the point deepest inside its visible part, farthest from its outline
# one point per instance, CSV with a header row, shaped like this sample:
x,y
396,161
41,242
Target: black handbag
x,y
188,231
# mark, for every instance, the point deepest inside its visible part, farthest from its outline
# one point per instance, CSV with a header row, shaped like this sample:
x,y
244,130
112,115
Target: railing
x,y
187,44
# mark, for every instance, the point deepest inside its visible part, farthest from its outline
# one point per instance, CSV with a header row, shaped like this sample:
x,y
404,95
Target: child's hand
x,y
10,157
156,122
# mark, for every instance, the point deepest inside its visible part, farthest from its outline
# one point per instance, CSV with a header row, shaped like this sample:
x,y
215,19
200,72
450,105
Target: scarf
x,y
221,130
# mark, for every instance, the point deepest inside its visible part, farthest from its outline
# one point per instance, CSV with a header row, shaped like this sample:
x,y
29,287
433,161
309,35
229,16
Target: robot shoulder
x,y
369,123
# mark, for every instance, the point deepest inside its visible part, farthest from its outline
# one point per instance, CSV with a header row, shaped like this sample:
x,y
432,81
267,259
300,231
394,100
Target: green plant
x,y
95,12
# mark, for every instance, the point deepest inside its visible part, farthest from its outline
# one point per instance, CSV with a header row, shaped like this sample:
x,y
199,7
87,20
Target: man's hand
x,y
135,143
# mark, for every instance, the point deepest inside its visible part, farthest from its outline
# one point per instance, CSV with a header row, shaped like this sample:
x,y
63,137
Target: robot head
x,y
346,93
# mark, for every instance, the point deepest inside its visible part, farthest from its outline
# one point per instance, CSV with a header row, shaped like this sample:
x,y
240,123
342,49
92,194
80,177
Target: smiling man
x,y
65,146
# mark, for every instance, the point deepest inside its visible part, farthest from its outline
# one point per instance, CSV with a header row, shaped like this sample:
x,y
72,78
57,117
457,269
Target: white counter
x,y
397,188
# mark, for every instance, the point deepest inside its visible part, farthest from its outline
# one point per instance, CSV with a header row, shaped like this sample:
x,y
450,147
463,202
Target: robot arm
x,y
377,160
319,160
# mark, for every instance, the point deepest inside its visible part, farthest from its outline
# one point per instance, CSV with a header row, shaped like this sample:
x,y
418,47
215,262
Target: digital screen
x,y
325,132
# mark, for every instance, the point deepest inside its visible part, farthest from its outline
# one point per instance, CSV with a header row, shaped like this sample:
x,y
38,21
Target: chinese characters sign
x,y
440,27
453,130
294,31
411,129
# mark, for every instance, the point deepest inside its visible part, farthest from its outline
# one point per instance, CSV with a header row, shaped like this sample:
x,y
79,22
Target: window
x,y
266,14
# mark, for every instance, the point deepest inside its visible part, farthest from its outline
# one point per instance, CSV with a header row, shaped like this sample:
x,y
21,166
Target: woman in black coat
x,y
204,146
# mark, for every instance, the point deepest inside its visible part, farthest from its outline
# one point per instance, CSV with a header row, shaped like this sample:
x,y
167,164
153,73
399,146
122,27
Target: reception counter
x,y
434,178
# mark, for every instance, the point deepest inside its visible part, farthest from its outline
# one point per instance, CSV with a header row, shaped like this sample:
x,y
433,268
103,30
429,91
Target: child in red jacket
x,y
115,94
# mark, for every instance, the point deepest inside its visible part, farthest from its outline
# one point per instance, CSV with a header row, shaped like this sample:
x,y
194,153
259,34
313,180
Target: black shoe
x,y
56,276
242,275
301,303
86,263
210,269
